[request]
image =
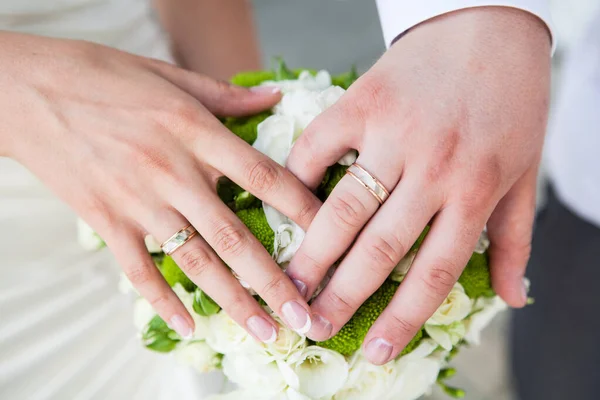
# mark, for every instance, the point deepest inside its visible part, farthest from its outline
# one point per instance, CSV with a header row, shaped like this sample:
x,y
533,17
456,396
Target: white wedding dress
x,y
65,330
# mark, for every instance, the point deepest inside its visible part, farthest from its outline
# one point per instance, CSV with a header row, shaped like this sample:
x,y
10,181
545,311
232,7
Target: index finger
x,y
436,268
265,179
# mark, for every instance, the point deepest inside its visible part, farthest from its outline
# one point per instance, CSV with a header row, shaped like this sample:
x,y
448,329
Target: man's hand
x,y
451,120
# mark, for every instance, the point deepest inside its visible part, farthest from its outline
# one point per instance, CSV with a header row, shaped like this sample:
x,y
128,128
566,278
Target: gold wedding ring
x,y
178,239
372,184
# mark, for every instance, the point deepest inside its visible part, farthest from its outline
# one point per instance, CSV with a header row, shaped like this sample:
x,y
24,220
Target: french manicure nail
x,y
262,329
265,89
378,351
181,326
296,316
321,328
301,286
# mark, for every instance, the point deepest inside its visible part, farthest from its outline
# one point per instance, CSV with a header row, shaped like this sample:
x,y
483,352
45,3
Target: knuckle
x,y
398,325
138,275
439,280
348,211
275,288
307,211
385,251
159,301
340,303
230,239
196,262
263,176
375,96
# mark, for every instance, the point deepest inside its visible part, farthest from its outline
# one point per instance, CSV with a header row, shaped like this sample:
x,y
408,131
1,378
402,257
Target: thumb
x,y
509,231
219,97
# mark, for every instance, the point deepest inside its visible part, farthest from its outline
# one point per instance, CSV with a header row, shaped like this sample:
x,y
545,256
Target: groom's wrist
x,y
397,17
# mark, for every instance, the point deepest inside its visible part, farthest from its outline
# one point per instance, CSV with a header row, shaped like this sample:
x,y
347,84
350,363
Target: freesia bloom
x,y
367,381
417,372
224,334
455,308
485,309
252,375
321,372
199,355
446,335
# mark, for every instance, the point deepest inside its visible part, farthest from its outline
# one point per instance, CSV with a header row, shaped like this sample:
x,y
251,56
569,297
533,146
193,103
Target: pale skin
x,y
451,120
133,146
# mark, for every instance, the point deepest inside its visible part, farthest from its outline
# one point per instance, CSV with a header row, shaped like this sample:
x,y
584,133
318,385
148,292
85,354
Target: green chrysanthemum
x,y
256,221
351,336
476,277
173,274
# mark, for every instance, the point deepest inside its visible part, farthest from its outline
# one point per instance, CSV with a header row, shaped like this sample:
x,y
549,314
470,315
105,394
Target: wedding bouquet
x,y
294,367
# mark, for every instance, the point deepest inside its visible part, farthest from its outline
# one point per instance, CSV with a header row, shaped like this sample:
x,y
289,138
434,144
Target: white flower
x,y
306,80
275,137
199,355
455,308
224,334
446,335
321,372
152,244
417,372
142,313
253,376
400,271
201,329
483,243
349,158
367,381
87,237
484,310
125,285
287,342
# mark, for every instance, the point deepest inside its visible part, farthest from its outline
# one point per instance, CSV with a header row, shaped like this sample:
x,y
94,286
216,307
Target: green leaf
x,y
421,238
203,305
173,274
159,337
282,72
346,79
252,78
246,128
446,373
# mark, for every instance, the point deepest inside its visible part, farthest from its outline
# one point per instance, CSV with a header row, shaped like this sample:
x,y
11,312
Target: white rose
x,y
367,381
275,136
417,372
224,334
142,313
400,271
321,372
287,342
455,308
306,80
446,335
253,376
484,310
201,329
87,237
198,355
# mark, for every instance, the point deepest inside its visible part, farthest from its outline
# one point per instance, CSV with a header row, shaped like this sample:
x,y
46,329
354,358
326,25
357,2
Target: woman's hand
x,y
132,145
451,120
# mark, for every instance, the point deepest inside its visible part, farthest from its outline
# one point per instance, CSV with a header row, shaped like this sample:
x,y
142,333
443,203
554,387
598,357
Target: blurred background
x,y
67,333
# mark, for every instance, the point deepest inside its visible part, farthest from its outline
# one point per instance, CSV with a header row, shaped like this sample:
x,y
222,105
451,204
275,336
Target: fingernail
x,y
296,316
524,289
181,326
301,286
265,89
262,329
321,328
378,351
